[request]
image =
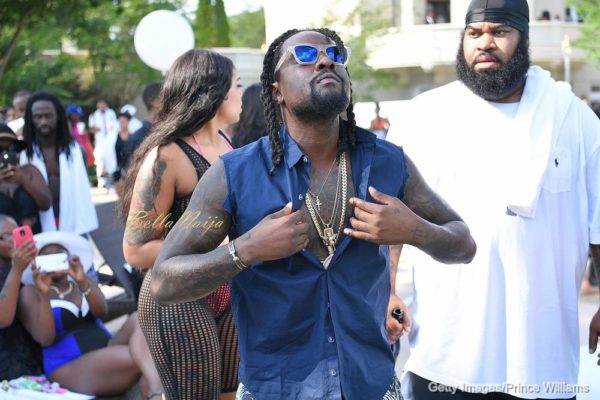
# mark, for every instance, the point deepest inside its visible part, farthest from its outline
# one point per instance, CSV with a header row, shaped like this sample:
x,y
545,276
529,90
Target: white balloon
x,y
161,37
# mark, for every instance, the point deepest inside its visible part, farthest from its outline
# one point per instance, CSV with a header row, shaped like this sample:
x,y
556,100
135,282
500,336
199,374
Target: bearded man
x,y
310,283
518,157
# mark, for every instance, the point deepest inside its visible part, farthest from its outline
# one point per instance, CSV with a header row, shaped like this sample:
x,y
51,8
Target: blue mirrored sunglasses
x,y
305,54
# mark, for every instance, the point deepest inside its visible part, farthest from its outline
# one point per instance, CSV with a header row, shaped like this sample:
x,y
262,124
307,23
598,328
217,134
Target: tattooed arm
x,y
153,194
421,218
190,265
441,232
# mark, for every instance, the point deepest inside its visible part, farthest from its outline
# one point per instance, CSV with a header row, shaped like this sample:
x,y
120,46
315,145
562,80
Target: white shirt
x,y
510,316
106,122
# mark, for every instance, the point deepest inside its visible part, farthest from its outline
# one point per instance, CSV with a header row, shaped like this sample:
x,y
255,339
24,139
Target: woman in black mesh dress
x,y
194,345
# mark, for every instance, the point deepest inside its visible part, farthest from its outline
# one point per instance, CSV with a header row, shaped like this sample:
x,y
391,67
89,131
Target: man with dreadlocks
x,y
52,149
310,284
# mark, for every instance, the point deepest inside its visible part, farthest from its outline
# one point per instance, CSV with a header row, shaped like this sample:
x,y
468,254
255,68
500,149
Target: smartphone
x,y
52,262
8,158
21,235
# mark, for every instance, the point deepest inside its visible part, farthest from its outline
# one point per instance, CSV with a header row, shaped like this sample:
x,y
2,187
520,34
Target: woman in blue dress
x,y
78,351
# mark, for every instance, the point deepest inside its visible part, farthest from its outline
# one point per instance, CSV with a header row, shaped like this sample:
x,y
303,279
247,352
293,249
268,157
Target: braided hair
x,y
273,118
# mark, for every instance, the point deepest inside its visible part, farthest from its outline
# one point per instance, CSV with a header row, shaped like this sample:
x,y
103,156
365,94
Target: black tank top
x,y
200,165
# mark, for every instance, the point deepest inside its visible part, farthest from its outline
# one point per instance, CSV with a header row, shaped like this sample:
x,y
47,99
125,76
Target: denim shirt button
x,y
332,372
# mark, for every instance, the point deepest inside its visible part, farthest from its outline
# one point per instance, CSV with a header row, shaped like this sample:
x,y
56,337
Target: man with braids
x,y
518,155
53,150
310,283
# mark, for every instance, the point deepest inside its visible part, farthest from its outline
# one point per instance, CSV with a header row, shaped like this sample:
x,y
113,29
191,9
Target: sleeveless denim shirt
x,y
306,332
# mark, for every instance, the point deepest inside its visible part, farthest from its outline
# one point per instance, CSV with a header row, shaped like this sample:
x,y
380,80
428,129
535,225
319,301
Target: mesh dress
x,y
194,344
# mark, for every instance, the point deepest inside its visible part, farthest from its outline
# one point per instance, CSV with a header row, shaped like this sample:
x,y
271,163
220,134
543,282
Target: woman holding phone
x,y
78,351
19,352
23,191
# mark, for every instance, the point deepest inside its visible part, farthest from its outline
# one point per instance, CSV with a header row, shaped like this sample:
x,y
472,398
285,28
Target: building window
x,y
437,11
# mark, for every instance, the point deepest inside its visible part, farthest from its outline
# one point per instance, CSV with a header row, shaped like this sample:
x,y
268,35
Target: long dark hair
x,y
272,117
63,135
251,125
190,96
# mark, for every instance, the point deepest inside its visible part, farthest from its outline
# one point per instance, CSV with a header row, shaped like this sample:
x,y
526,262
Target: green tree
x,y
374,17
106,66
211,26
247,29
204,24
24,18
221,25
590,28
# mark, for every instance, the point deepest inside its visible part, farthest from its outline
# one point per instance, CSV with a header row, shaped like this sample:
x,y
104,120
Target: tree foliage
x,y
221,25
203,26
589,10
211,26
107,65
247,29
373,17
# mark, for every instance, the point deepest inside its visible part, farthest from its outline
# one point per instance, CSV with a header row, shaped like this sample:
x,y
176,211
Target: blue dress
x,y
78,332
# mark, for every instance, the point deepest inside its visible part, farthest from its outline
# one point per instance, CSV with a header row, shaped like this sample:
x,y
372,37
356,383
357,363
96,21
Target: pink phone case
x,y
21,235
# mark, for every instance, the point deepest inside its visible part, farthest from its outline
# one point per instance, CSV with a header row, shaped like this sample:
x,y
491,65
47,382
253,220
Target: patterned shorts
x,y
393,393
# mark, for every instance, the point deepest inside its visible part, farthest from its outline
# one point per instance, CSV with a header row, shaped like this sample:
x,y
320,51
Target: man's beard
x,y
322,104
495,84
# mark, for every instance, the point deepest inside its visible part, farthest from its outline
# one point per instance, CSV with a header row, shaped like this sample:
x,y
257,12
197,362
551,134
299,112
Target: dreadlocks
x,y
273,118
62,135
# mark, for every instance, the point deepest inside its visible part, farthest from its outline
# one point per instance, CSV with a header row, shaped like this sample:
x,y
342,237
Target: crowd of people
x,y
51,322
269,226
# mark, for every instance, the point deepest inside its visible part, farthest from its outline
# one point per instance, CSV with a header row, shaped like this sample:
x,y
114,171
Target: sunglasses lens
x,y
335,55
306,54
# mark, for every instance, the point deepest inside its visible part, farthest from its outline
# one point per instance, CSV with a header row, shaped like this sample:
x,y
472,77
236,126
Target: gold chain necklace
x,y
328,234
334,211
61,295
316,196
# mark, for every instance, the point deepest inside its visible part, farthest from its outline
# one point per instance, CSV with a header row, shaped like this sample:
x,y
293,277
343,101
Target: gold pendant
x,y
329,236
